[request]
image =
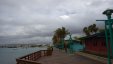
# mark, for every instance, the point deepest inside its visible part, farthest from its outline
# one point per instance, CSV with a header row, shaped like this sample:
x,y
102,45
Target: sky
x,y
34,21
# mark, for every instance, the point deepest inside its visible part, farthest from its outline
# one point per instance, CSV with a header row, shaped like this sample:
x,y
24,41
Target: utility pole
x,y
108,26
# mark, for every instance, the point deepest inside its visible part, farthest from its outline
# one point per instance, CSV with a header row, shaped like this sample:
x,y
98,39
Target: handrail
x,y
31,58
21,61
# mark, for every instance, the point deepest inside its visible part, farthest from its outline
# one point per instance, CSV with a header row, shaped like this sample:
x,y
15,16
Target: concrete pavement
x,y
60,57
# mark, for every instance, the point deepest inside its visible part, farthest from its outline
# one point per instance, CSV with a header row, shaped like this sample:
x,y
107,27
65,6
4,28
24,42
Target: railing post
x,y
31,58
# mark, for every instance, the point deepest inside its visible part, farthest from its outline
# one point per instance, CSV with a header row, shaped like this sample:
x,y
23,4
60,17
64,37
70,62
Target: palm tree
x,y
86,31
95,29
64,32
54,39
90,29
60,34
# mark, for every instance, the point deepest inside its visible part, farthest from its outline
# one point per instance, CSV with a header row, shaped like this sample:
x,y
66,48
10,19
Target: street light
x,y
108,23
108,12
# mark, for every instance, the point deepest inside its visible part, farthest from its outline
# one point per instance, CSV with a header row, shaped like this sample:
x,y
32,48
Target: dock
x,y
57,57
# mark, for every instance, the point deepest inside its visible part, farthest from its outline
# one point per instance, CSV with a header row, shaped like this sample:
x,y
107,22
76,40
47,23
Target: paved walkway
x,y
60,57
94,57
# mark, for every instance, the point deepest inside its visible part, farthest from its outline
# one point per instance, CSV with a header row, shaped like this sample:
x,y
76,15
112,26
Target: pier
x,y
57,57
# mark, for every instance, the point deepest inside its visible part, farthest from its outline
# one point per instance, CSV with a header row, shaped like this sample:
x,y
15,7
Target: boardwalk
x,y
59,57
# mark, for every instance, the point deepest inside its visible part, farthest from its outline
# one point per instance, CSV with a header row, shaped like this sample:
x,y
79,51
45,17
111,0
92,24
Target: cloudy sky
x,y
34,21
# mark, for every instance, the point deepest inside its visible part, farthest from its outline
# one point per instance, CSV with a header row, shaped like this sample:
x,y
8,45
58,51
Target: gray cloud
x,y
27,21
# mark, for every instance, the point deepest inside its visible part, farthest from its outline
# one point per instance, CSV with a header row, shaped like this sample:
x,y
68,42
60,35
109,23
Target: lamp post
x,y
108,13
108,24
70,44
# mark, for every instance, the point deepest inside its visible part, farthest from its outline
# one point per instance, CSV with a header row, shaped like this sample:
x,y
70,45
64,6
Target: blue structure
x,y
77,47
71,45
74,45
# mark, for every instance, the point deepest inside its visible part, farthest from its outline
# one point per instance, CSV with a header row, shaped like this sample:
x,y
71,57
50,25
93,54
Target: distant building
x,y
95,43
74,45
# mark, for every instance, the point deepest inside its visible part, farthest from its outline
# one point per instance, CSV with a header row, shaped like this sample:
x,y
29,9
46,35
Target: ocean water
x,y
9,55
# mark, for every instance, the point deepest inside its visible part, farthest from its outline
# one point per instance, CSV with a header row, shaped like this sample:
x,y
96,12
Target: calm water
x,y
8,55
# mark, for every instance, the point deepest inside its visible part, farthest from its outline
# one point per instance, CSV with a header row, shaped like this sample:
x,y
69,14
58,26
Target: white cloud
x,y
65,17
